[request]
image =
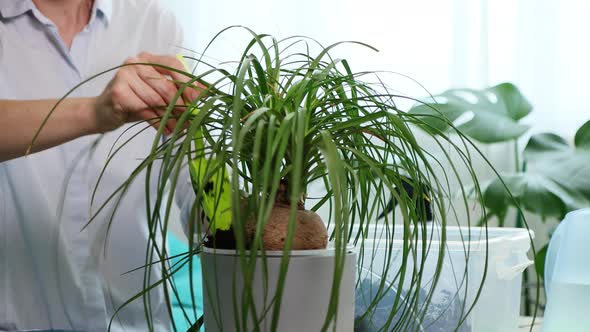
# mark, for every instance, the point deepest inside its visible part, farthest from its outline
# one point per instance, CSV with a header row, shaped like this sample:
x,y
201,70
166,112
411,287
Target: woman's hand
x,y
141,92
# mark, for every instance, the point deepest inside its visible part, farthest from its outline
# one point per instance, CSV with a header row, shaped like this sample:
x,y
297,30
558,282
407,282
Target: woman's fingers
x,y
140,91
145,92
164,87
156,90
151,99
138,110
159,83
190,93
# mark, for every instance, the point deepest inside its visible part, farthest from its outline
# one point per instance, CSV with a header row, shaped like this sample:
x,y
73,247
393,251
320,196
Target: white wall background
x,y
540,45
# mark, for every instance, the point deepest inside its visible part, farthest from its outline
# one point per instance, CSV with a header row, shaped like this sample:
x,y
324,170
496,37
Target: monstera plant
x,y
490,115
551,176
554,178
281,119
542,183
552,182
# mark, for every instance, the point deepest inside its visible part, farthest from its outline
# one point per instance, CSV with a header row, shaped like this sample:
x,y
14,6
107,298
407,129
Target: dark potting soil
x,y
222,240
441,316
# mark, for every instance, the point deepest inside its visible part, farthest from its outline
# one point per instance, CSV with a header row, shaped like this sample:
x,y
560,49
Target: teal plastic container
x,y
567,275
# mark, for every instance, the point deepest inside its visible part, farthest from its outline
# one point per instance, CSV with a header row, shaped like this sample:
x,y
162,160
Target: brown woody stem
x,y
284,199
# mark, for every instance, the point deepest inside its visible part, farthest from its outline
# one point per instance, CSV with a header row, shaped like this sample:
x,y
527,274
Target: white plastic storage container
x,y
462,276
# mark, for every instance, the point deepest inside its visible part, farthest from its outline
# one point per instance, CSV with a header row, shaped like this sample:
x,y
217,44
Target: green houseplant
x,y
549,177
550,183
289,116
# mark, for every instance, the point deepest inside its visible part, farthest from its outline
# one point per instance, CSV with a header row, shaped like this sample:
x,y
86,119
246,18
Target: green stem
x,y
525,278
516,156
519,224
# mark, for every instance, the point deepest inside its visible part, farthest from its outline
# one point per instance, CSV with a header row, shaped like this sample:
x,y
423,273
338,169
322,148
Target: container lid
x,y
457,238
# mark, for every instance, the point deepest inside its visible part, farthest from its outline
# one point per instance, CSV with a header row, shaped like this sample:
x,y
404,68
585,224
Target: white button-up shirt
x,y
52,274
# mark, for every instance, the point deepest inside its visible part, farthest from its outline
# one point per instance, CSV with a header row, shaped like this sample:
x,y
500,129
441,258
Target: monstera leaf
x,y
557,179
488,116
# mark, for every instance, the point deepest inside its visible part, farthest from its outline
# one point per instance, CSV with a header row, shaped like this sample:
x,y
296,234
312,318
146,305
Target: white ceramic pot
x,y
306,294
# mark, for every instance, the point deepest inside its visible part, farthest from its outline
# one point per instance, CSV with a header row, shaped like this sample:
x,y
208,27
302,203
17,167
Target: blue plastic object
x,y
182,284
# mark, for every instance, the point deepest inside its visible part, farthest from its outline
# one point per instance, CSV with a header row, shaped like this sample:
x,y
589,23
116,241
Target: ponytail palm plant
x,y
283,118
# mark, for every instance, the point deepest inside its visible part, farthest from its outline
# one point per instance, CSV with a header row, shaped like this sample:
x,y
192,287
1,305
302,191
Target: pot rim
x,y
329,251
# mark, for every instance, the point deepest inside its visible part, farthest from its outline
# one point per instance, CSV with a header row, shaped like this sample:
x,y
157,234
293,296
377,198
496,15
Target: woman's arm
x,y
137,92
20,120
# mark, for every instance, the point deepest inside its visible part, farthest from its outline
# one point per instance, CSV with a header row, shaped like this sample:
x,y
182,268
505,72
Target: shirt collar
x,y
13,8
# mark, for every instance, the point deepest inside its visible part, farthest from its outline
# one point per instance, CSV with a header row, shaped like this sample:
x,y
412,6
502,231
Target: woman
x,y
52,274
